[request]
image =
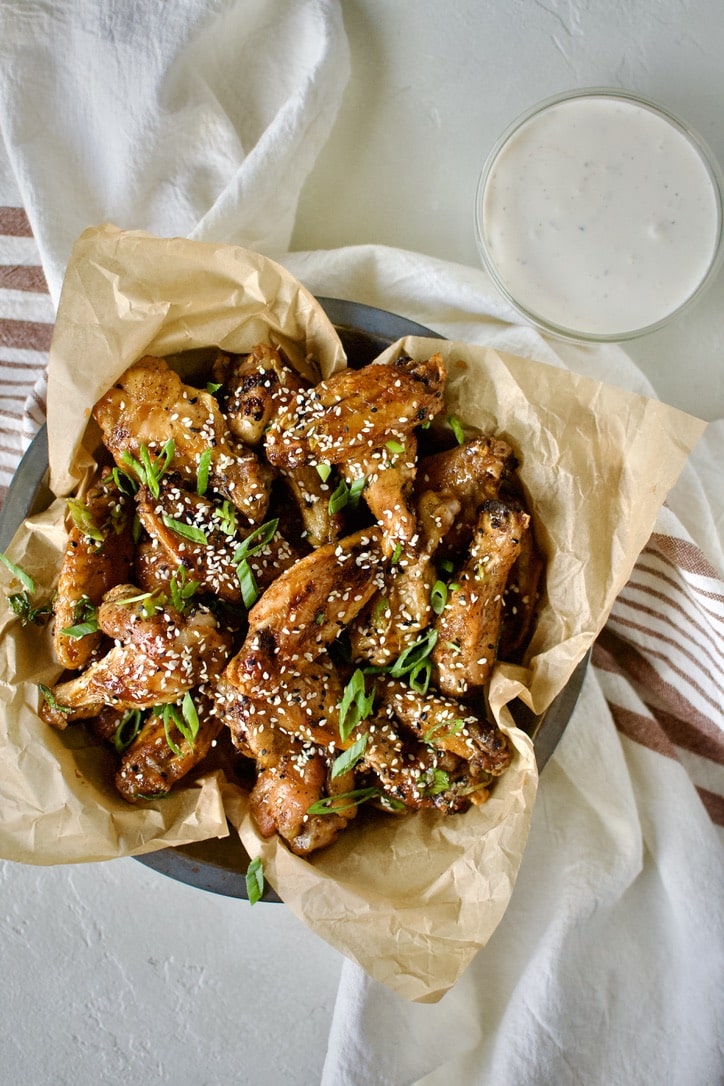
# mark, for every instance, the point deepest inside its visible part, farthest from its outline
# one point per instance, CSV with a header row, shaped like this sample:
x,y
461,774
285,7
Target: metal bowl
x,y
219,864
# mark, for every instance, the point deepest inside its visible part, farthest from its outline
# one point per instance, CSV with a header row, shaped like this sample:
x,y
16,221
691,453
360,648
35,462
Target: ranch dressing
x,y
599,215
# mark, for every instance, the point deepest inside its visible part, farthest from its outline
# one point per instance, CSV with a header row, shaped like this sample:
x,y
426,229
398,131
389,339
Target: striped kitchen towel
x,y
660,659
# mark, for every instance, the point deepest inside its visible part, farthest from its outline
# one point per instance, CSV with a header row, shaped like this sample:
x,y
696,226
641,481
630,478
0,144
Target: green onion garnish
x,y
186,531
255,881
438,597
356,704
324,471
348,759
331,804
127,730
202,472
457,428
25,579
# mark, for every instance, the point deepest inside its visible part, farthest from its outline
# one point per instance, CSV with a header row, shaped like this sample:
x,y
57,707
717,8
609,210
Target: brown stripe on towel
x,y
23,277
680,552
612,653
685,676
704,635
714,805
14,222
32,335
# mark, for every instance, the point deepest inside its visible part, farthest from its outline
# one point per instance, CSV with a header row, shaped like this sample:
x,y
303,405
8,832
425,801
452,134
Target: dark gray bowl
x,y
220,864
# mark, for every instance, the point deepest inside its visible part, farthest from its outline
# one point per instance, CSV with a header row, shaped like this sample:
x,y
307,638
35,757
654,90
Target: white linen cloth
x,y
203,119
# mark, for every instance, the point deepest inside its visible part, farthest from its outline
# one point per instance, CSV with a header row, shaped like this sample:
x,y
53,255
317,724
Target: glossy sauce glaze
x,y
599,216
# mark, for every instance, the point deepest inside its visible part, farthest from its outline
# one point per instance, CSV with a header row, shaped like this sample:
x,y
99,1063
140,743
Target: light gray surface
x,y
113,973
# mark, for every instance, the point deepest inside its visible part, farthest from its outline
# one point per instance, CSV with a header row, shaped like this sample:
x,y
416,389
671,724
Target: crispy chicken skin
x,y
354,410
91,566
305,609
149,404
150,767
469,625
254,388
155,660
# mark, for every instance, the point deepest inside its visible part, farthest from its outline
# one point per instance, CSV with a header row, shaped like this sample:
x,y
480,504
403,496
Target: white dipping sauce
x,y
599,215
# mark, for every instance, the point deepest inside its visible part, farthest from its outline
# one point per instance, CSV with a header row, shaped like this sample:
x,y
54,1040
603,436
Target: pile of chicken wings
x,y
329,571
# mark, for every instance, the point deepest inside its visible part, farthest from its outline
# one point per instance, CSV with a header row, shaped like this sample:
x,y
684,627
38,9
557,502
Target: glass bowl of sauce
x,y
599,215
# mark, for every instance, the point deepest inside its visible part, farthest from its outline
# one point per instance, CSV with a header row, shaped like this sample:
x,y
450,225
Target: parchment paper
x,y
412,900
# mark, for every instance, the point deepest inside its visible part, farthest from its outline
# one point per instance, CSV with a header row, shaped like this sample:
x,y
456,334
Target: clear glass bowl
x,y
598,215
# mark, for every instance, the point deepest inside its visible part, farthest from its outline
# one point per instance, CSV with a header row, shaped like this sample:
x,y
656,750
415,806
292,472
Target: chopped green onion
x,y
82,629
411,657
395,447
419,677
25,579
22,606
212,387
83,520
339,498
331,804
127,730
202,472
247,580
186,531
255,881
356,487
50,699
438,597
349,758
446,565
190,715
324,471
396,554
381,606
226,514
256,540
433,782
356,704
457,428
453,728
182,589
124,482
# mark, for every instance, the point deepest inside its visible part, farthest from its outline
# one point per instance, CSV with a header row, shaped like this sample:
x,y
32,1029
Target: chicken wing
x,y
469,625
254,388
149,405
389,474
448,725
194,533
162,754
470,474
292,773
305,609
98,554
354,410
155,659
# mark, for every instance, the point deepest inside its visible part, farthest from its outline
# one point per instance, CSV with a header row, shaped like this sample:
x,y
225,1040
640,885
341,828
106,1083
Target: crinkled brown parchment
x,y
411,900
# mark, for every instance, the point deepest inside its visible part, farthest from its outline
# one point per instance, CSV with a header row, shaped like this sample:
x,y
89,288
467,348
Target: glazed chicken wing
x,y
98,554
469,626
305,609
389,474
254,388
161,754
354,410
293,774
149,405
470,474
155,659
196,534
